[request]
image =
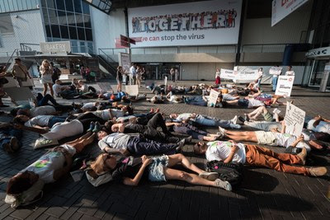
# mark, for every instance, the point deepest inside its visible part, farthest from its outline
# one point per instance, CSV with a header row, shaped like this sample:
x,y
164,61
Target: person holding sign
x,y
217,77
275,71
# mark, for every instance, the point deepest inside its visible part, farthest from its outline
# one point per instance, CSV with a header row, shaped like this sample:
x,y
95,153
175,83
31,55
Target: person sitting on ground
x,y
10,138
131,170
86,92
60,89
252,155
205,120
26,186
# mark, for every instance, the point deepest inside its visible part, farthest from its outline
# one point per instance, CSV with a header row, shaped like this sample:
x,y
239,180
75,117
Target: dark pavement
x,y
264,193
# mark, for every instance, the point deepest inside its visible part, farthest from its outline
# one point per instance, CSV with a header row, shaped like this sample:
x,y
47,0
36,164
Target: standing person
x,y
2,81
82,71
289,72
20,72
172,73
138,76
217,77
132,71
260,73
88,74
275,76
176,72
56,73
119,78
46,71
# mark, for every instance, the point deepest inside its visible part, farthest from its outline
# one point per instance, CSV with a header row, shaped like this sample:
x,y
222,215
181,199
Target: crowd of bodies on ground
x,y
147,145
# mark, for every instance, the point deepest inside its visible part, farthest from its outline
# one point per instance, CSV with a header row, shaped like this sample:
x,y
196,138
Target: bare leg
x,y
242,136
51,89
80,145
45,89
179,158
188,177
80,138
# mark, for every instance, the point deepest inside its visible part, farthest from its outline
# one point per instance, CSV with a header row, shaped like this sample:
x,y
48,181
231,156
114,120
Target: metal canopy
x,y
102,5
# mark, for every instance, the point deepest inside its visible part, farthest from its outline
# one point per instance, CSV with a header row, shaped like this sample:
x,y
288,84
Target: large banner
x,y
282,8
275,70
244,76
294,120
228,74
284,85
198,23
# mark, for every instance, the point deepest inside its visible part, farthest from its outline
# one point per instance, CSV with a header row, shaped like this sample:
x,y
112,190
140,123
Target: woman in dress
x,y
217,77
46,71
119,78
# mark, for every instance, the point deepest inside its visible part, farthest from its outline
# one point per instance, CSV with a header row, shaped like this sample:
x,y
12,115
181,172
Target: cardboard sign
x,y
213,98
124,60
294,120
19,93
132,90
284,85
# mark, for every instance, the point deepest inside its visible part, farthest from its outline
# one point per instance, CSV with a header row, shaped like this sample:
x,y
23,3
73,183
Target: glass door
x,y
317,73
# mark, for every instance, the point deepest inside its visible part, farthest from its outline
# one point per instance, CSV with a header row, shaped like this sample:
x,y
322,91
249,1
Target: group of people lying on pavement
x,y
142,146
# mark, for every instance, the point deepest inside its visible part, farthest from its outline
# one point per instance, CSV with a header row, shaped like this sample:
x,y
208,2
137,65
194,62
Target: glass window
x,y
87,21
52,16
69,5
56,31
90,47
51,4
49,39
79,20
81,34
6,26
82,47
64,31
71,19
48,32
45,15
77,5
60,4
74,49
62,17
89,35
85,8
73,33
74,43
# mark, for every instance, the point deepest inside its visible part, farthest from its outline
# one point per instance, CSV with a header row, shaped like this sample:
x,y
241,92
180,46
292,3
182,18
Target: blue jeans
x,y
7,133
274,82
212,122
43,100
196,100
55,119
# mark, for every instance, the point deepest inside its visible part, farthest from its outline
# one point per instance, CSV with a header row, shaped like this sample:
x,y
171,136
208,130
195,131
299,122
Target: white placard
x,y
132,90
212,101
13,83
124,60
284,85
275,70
55,47
282,8
197,23
294,120
228,74
246,76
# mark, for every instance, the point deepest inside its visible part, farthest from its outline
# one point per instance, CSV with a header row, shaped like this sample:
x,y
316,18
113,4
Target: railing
x,y
106,53
263,48
11,57
27,47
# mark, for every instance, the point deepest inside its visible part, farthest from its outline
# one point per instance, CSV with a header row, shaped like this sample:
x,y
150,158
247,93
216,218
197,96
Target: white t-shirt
x,y
321,127
57,89
46,165
104,114
88,106
114,140
183,116
43,110
286,140
220,150
40,120
290,73
255,103
62,130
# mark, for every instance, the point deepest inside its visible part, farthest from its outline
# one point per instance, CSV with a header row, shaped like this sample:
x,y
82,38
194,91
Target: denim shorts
x,y
243,102
156,168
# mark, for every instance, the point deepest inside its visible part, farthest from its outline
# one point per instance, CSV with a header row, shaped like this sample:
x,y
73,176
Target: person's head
x,y
17,60
51,63
173,116
75,81
289,68
23,112
119,68
103,163
261,69
21,182
101,134
45,64
200,148
80,82
58,82
21,119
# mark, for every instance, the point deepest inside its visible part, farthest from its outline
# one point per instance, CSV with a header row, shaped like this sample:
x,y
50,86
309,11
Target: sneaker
x,y
234,126
234,120
223,184
317,171
241,119
222,132
246,117
188,139
97,127
302,155
91,126
181,143
209,175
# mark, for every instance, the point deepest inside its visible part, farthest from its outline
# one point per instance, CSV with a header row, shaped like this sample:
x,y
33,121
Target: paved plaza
x,y
264,193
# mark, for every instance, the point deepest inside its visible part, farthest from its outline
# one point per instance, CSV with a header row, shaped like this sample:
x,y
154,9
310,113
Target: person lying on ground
x,y
129,144
319,124
40,121
26,186
174,98
205,120
10,138
131,170
157,99
66,129
252,155
264,112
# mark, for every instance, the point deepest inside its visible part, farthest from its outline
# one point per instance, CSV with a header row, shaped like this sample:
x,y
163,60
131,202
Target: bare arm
x,y
37,130
135,181
234,148
299,139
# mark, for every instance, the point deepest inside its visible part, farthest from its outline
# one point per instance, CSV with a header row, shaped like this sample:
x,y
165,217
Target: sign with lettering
x,y
196,23
294,120
275,70
228,74
55,47
282,8
212,101
284,85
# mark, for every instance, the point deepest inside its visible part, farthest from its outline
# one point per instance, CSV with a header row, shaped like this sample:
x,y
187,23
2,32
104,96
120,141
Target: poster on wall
x,y
294,120
282,8
284,85
197,23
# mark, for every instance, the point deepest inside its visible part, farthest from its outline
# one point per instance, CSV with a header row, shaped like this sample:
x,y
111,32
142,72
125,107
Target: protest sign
x,y
294,119
284,85
212,101
246,76
228,74
275,70
132,90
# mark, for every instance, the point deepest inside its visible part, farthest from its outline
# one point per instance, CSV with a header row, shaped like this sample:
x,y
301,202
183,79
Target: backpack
x,y
231,172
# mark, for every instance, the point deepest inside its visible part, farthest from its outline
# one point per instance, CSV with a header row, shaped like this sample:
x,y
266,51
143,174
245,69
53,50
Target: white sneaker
x,y
234,120
223,184
222,132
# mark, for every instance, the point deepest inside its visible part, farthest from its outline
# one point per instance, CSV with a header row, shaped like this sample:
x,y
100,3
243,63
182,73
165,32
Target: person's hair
x,y
22,112
18,184
14,111
107,126
18,120
119,67
199,148
98,165
130,110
